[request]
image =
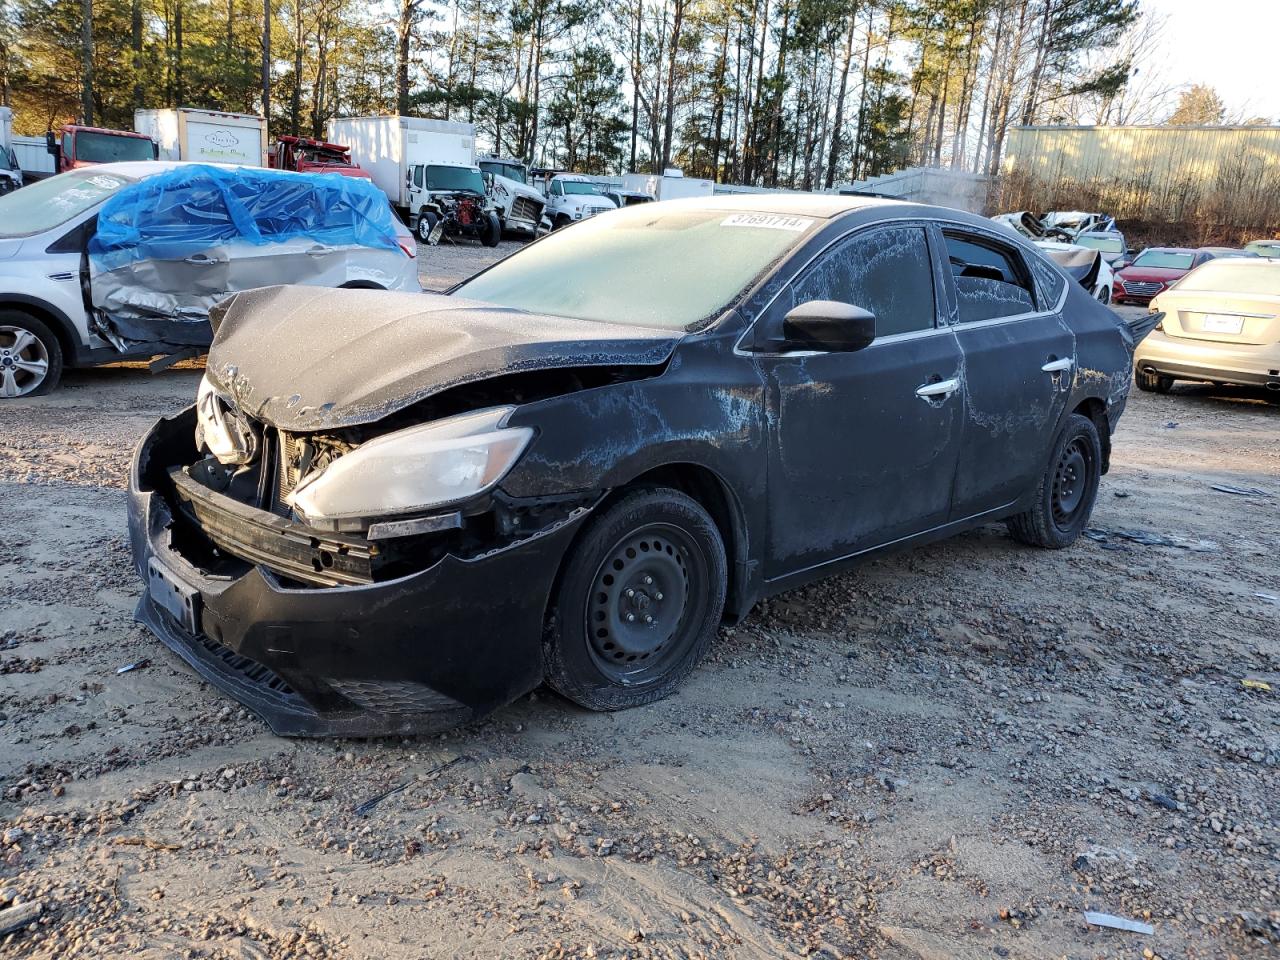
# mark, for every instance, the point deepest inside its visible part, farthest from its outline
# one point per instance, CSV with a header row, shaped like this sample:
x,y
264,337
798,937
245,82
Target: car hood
x,y
518,189
1163,274
306,358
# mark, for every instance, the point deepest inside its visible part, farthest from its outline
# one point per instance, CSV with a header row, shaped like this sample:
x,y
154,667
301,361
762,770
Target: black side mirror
x,y
828,325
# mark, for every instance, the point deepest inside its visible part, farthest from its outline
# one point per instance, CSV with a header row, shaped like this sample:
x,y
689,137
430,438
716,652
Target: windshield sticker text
x,y
767,221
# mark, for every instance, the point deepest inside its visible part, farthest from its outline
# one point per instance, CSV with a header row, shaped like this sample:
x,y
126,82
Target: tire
x,y
492,232
560,221
1152,382
592,654
1104,296
1066,491
30,356
426,223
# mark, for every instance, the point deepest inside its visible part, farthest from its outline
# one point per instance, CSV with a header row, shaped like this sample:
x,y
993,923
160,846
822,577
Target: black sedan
x,y
390,513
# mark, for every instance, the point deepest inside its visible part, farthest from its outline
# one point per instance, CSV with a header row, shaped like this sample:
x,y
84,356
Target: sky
x,y
1229,45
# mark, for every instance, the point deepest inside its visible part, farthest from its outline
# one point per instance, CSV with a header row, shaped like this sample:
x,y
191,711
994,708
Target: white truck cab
x,y
572,197
518,205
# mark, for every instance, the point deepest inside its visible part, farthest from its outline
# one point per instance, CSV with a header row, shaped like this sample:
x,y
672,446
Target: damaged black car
x,y
392,513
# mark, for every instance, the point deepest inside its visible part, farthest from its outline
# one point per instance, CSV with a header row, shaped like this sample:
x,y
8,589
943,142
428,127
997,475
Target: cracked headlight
x,y
219,431
419,468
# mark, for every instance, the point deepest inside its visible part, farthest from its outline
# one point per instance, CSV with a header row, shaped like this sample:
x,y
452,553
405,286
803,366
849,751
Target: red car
x,y
1154,270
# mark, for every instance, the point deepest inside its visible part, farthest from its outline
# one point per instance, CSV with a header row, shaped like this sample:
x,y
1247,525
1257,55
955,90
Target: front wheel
x,y
638,603
30,356
1104,295
1066,491
426,224
491,232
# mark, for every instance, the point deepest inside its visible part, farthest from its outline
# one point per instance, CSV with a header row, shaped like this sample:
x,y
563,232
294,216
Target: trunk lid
x,y
1222,317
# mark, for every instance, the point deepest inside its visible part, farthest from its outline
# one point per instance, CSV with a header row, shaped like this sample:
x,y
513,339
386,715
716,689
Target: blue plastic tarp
x,y
191,208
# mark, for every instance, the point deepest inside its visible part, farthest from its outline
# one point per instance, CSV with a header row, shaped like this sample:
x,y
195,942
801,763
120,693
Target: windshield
x,y
512,171
454,178
578,186
1163,259
1224,276
1105,244
108,147
53,201
643,266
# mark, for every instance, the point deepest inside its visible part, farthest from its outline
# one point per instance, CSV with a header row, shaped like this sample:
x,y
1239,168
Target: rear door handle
x,y
942,388
200,261
1057,366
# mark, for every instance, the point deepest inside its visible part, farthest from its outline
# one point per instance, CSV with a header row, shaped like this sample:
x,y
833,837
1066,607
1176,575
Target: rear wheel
x,y
1153,382
1066,491
638,603
30,356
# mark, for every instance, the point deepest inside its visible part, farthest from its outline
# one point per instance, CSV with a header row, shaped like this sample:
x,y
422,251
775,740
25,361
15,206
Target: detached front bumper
x,y
417,654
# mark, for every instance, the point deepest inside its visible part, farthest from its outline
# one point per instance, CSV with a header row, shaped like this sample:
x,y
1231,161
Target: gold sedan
x,y
1221,325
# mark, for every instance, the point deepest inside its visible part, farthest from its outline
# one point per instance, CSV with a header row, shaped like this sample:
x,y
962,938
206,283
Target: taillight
x,y
410,247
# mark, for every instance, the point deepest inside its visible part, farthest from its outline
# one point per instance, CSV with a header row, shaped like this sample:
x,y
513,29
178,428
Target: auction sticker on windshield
x,y
768,221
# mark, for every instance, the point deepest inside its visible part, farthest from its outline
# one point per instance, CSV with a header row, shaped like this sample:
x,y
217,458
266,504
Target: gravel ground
x,y
948,753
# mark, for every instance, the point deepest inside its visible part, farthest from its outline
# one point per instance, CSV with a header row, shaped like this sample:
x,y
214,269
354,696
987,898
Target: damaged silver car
x,y
389,514
122,261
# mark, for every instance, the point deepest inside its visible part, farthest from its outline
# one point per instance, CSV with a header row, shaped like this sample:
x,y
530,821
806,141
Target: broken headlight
x,y
220,431
419,468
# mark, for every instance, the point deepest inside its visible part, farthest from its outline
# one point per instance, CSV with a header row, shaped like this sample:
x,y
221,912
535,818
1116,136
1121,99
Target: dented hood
x,y
306,358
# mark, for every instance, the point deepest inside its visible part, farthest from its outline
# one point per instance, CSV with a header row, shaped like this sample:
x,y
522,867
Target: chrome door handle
x,y
943,388
200,261
1057,366
319,251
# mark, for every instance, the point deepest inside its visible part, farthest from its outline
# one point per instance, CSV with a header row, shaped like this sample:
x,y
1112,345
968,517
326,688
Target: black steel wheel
x,y
638,601
1065,493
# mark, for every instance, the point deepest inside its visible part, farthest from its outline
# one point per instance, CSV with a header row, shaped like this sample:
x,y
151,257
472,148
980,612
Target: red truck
x,y
308,155
80,146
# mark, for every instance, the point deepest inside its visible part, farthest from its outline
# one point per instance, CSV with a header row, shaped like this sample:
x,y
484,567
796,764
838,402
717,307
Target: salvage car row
x,y
1220,306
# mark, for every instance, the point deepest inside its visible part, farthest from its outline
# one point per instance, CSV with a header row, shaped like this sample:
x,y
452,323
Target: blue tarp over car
x,y
192,208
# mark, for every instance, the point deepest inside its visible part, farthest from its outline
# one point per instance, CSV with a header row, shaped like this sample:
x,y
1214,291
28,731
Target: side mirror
x,y
1120,264
51,141
828,325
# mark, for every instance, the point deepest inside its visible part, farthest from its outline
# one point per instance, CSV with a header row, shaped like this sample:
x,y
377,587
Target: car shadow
x,y
1227,396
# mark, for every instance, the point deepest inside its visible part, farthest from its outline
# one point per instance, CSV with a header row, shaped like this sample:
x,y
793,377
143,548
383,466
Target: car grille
x,y
1142,288
526,208
288,471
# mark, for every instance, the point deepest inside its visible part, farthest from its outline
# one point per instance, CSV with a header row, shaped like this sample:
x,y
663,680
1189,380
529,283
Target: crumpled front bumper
x,y
418,654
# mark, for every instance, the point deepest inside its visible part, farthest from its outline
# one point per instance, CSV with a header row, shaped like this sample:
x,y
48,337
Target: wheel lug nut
x,y
648,619
648,579
658,596
631,617
630,592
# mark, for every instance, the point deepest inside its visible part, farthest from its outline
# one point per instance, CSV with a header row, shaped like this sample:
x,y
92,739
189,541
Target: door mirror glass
x,y
828,325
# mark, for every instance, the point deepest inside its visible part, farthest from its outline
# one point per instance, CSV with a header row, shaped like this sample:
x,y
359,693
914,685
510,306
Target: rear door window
x,y
991,280
886,270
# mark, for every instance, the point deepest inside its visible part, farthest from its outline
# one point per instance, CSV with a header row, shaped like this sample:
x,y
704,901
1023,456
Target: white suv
x,y
55,311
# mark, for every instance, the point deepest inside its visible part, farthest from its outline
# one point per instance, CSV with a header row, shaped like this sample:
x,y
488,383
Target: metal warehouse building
x,y
1228,174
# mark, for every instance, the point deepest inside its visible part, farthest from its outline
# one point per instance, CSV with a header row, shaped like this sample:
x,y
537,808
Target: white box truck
x,y
389,148
207,136
672,185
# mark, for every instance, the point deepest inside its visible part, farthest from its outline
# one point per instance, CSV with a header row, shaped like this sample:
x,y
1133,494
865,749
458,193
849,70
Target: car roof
x,y
1172,250
1100,233
823,205
149,168
1246,261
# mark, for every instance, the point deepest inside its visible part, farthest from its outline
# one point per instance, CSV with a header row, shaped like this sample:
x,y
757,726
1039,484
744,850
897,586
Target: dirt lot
x,y
948,753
